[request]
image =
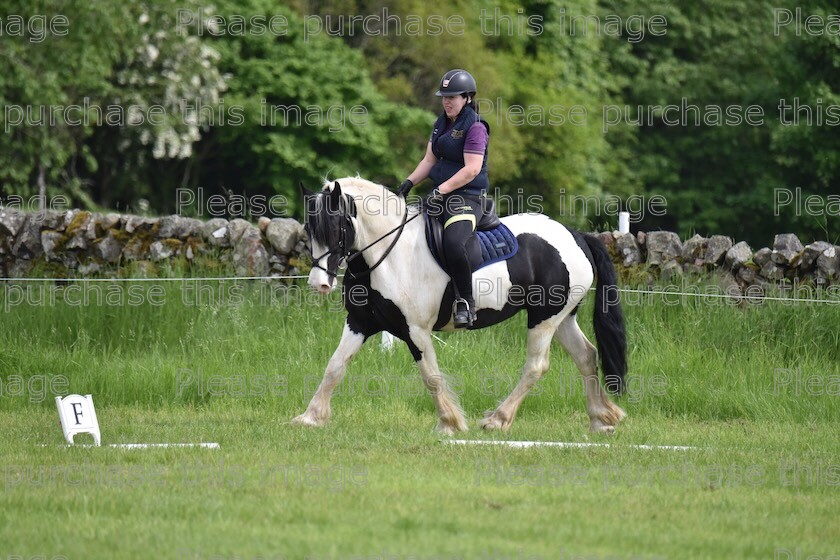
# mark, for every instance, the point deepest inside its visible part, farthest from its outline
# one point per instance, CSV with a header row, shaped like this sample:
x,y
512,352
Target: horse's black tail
x,y
609,319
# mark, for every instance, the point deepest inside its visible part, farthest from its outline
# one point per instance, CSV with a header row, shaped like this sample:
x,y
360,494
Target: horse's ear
x,y
336,192
304,192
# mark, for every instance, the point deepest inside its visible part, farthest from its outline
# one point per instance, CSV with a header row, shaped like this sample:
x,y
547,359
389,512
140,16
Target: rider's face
x,y
453,104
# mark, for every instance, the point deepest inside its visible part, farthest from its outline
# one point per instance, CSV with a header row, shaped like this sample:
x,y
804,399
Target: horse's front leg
x,y
450,415
318,412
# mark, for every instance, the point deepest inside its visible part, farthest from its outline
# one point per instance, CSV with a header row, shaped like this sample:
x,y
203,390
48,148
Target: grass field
x,y
754,388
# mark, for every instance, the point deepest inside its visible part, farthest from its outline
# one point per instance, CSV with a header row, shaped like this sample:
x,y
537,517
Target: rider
x,y
456,162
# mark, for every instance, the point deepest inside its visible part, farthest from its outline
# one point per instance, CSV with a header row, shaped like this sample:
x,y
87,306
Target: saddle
x,y
490,243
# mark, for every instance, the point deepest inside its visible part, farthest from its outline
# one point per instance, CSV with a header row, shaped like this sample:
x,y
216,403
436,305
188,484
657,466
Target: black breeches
x,y
460,215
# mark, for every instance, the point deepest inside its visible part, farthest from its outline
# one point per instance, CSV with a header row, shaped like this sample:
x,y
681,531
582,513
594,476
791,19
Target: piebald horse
x,y
392,283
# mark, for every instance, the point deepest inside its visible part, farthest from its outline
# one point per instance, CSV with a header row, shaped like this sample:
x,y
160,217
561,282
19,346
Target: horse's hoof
x,y
447,429
607,419
620,414
493,422
304,420
601,428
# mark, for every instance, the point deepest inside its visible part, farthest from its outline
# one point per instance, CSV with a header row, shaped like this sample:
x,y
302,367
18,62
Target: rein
x,y
400,227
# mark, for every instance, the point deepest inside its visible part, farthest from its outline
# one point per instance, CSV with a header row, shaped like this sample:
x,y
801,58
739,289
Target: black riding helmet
x,y
456,82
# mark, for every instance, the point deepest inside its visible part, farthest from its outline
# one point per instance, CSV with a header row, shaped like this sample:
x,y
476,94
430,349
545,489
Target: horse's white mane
x,y
360,188
356,185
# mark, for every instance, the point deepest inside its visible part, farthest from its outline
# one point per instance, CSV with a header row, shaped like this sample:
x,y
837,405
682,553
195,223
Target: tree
x,y
722,178
79,100
310,111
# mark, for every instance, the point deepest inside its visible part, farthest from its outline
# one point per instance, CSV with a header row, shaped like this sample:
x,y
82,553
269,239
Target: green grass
x,y
378,482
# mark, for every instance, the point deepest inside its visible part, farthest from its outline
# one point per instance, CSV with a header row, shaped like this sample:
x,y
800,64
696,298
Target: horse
x,y
392,283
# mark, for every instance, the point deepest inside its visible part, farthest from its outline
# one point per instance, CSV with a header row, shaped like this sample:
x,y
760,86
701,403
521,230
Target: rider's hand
x,y
404,188
435,196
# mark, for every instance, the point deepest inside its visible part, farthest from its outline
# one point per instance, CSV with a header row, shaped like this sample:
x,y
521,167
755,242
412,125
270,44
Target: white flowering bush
x,y
173,71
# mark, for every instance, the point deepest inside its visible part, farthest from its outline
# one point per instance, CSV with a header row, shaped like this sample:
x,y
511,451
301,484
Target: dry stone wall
x,y
82,243
666,257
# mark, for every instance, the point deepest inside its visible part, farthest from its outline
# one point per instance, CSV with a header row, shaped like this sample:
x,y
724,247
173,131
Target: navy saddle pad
x,y
496,243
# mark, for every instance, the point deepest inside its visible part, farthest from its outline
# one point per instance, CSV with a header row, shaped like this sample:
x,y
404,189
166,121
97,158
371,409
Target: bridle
x,y
345,253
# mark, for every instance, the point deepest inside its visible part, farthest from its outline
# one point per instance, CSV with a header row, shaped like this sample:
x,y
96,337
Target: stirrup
x,y
462,317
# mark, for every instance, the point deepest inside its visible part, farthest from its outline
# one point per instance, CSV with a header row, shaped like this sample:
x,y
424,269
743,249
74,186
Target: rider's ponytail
x,y
471,103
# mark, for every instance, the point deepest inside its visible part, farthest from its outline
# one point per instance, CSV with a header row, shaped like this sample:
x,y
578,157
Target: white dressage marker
x,y
78,417
563,444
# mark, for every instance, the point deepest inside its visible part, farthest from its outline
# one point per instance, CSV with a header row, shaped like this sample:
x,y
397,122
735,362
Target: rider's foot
x,y
464,314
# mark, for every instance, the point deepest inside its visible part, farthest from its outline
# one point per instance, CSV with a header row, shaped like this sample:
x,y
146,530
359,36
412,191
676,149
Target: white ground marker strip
x,y
157,445
564,444
147,445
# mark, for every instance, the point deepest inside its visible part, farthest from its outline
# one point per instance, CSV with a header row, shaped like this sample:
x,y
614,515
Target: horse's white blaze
x,y
317,276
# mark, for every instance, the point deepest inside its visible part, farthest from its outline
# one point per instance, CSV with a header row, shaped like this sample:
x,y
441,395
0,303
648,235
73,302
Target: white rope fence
x,y
757,297
738,296
163,279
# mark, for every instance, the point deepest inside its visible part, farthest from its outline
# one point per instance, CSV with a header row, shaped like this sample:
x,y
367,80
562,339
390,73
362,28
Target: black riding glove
x,y
405,188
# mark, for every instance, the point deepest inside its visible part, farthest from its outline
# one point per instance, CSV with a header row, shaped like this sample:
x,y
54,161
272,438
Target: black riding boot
x,y
463,311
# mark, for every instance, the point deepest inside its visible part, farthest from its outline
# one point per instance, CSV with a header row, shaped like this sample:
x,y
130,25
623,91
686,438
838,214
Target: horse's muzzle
x,y
322,282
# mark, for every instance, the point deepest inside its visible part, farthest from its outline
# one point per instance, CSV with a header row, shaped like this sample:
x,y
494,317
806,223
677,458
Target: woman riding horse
x,y
393,284
456,162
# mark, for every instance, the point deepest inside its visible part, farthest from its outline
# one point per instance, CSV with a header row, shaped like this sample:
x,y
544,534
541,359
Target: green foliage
x,y
354,98
310,111
524,73
41,72
559,69
85,97
722,178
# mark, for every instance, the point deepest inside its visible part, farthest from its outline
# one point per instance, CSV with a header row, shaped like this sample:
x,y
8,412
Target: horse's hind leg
x,y
318,412
603,413
539,347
